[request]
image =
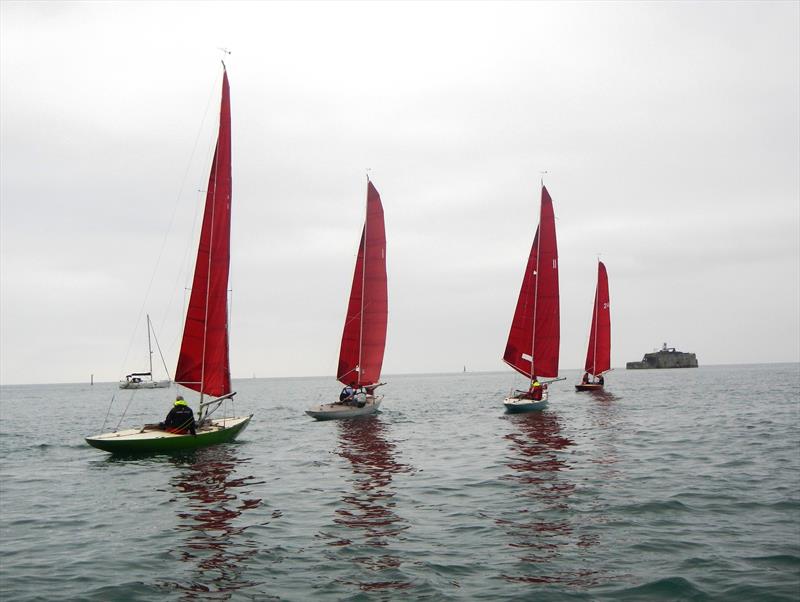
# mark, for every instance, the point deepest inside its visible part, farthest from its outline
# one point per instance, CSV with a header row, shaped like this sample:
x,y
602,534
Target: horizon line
x,y
102,382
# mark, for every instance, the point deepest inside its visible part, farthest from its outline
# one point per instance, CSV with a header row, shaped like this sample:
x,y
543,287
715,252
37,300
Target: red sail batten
x,y
204,362
534,338
598,355
364,335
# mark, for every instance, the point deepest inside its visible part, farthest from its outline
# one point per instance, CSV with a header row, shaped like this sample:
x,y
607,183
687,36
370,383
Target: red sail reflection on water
x,y
369,510
539,522
213,499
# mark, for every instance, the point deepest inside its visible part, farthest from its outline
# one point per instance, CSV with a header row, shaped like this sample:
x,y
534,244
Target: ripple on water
x,y
668,589
640,496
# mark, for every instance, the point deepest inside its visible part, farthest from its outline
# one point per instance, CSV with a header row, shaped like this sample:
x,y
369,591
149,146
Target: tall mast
x,y
208,281
363,286
149,347
536,286
203,362
596,318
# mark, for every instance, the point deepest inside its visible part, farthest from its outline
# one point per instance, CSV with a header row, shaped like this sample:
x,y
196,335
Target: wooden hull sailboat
x,y
533,340
364,335
145,380
203,362
598,354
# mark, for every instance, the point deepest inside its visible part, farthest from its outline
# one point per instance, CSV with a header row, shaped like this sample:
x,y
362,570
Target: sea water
x,y
673,485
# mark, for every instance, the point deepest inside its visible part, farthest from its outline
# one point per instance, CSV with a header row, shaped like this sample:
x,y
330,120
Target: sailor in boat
x,y
534,392
596,380
180,419
347,393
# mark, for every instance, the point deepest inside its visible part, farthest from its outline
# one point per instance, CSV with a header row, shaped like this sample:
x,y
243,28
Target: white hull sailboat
x,y
533,341
133,381
516,405
144,380
360,406
364,335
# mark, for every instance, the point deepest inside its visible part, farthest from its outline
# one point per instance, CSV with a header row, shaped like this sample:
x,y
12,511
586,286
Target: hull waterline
x,y
132,441
515,405
589,387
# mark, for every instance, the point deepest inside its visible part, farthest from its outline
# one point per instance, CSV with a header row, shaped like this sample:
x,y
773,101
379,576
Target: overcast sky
x,y
669,132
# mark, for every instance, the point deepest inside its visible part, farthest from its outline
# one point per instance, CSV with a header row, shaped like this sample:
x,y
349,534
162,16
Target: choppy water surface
x,y
675,485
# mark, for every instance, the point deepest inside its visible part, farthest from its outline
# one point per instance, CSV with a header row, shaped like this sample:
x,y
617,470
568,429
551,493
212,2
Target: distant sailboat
x,y
364,335
144,380
534,338
598,355
203,363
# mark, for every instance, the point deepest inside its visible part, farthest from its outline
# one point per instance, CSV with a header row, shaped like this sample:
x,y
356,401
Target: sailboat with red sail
x,y
204,361
364,335
533,340
598,355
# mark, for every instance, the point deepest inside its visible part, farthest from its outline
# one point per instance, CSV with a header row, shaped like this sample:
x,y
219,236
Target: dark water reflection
x,y
212,498
368,511
540,523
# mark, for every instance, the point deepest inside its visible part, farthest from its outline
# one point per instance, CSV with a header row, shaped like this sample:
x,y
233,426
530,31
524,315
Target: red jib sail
x,y
533,341
364,336
203,363
598,356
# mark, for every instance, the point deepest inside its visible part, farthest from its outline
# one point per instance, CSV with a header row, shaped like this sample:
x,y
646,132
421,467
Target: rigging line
x,y
168,230
125,411
111,403
166,370
184,273
184,270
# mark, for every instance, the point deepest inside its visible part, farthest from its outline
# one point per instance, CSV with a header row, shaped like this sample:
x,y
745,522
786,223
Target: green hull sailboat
x,y
154,440
203,362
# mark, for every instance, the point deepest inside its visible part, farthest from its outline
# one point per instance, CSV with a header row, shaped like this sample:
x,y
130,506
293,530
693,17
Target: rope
x,y
103,427
169,226
125,411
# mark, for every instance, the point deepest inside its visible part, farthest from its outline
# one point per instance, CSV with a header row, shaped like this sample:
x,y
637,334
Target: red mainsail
x,y
203,363
533,341
364,336
598,356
